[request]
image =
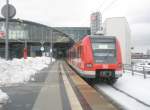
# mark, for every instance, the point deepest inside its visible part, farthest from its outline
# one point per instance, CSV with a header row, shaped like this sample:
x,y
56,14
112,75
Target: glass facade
x,y
32,32
33,35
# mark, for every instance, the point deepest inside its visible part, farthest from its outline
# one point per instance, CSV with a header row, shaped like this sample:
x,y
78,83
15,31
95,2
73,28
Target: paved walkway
x,y
49,97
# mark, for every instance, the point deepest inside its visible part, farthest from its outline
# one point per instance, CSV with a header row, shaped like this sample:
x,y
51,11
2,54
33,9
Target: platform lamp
x,y
25,50
51,42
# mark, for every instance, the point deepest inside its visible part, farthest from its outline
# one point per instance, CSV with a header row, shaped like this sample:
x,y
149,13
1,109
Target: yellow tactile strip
x,y
94,99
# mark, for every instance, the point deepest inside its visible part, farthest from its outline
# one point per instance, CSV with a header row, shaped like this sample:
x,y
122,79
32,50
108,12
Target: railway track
x,y
89,98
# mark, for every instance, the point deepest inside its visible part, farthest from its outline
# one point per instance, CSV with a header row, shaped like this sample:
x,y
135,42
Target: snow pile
x,y
3,97
21,70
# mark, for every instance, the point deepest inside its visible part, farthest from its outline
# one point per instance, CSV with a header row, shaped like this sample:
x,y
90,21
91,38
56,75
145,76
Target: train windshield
x,y
104,50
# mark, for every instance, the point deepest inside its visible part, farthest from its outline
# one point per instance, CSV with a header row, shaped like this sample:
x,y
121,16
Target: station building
x,y
119,27
36,35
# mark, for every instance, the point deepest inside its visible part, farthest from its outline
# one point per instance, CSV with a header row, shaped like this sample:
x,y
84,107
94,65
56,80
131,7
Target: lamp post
x,y
8,11
51,50
7,32
42,41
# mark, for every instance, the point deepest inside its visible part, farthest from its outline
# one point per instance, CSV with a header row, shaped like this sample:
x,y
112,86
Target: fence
x,y
135,68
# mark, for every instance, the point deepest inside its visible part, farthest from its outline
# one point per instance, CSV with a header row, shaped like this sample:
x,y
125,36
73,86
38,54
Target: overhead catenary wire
x,y
109,6
102,4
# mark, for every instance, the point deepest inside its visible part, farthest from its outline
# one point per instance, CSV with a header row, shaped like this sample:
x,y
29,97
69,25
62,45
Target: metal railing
x,y
137,69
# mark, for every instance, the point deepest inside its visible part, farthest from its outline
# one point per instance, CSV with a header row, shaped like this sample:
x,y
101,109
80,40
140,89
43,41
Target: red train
x,y
97,57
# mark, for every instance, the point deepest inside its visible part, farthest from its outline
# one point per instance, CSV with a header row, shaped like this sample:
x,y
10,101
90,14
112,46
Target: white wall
x,y
118,26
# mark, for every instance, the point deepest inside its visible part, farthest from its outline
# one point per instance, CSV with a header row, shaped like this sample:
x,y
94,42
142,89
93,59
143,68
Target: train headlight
x,y
89,65
118,73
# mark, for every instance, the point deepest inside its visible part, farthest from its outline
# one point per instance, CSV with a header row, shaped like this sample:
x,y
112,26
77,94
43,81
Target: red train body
x,y
97,56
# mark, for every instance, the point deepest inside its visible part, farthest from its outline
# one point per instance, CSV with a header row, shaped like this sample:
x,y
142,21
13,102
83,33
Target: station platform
x,y
64,90
57,88
49,97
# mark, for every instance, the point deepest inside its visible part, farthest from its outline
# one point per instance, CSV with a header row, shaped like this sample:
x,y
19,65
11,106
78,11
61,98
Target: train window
x,y
79,52
104,52
103,46
74,53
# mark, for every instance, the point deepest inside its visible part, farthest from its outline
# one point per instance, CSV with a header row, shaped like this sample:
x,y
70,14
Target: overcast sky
x,y
77,13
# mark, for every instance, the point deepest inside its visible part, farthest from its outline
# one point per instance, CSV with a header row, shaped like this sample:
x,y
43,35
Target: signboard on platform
x,y
8,11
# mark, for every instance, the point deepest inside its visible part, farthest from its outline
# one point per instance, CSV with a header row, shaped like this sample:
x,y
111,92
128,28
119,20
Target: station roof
x,y
75,32
58,36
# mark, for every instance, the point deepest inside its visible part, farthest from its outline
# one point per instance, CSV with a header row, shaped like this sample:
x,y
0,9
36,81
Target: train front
x,y
105,62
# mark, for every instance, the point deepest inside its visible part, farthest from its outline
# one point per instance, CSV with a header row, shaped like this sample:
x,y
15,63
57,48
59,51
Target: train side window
x,y
80,48
81,51
78,52
73,54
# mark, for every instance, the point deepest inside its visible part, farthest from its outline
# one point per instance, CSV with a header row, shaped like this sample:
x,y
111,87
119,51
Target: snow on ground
x,y
135,86
136,61
126,102
19,71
